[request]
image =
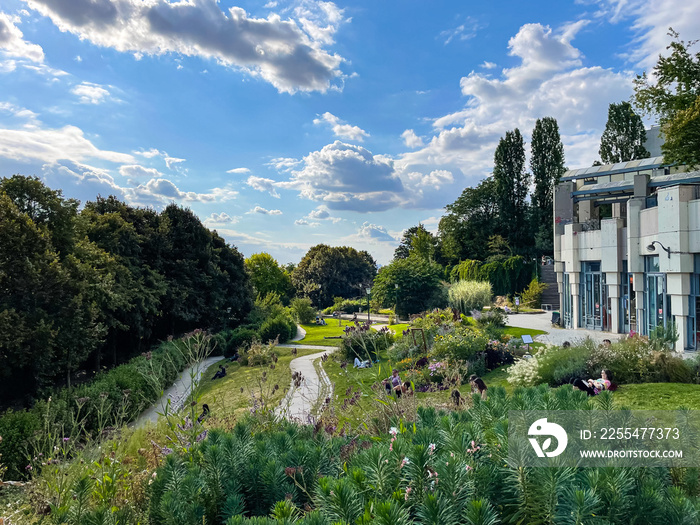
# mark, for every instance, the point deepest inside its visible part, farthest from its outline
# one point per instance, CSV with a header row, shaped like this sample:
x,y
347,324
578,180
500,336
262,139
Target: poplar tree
x,y
547,166
512,188
624,135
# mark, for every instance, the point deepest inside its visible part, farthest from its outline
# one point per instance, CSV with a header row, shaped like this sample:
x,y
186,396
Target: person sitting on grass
x,y
478,385
594,387
393,383
221,373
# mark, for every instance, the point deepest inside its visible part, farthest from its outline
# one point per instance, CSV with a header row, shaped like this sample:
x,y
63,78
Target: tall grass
x,y
466,296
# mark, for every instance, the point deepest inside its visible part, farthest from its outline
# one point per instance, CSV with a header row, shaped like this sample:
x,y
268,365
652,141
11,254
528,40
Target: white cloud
x,y
340,129
284,163
345,176
304,222
263,211
78,58
238,170
13,44
322,213
374,233
90,93
488,65
161,191
85,182
411,139
220,219
170,162
464,31
288,54
135,170
263,184
53,145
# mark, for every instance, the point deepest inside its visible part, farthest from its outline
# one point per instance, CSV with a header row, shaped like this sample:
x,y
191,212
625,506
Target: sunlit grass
x,y
658,396
316,334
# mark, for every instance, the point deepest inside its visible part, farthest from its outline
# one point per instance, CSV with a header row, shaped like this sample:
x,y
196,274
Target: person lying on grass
x,y
594,387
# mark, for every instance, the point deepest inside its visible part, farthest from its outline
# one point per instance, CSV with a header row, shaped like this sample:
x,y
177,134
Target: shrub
x,y
238,339
16,429
466,296
260,354
364,343
347,306
532,296
553,365
303,311
461,344
281,327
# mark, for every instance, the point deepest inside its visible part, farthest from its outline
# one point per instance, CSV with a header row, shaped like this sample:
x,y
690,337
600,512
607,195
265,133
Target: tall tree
x,y
547,166
674,98
624,135
469,223
416,238
512,183
267,276
326,272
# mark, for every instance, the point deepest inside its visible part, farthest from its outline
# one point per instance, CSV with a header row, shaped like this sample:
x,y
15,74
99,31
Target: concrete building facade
x,y
627,249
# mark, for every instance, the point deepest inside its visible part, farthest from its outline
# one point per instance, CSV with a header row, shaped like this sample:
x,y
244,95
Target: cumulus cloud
x,y
341,129
284,163
322,214
263,211
263,184
135,170
345,176
53,145
304,222
170,162
374,233
411,139
13,44
161,191
238,170
85,181
550,79
90,93
289,54
222,218
488,65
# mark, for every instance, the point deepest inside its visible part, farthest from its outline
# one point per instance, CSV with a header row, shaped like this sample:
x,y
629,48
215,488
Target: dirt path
x,y
177,393
300,401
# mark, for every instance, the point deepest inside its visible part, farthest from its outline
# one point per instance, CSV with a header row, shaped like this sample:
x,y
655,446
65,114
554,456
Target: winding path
x,y
300,401
177,393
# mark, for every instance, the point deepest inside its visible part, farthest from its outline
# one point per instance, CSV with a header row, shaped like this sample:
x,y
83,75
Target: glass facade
x,y
566,308
593,297
628,303
656,308
694,308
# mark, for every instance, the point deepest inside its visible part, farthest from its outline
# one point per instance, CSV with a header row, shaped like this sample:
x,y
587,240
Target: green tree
x,y
326,272
267,276
469,223
547,166
419,286
624,135
416,238
512,188
673,96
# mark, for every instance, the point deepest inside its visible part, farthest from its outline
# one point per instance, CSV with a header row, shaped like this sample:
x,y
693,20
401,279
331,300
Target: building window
x,y
628,303
694,308
593,297
566,306
657,311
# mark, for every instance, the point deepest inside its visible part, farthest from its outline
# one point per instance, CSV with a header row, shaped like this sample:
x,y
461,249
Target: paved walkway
x,y
300,401
556,335
301,333
177,393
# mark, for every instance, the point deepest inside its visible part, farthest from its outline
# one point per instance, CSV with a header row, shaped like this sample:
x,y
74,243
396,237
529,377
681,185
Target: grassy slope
x,y
315,333
224,396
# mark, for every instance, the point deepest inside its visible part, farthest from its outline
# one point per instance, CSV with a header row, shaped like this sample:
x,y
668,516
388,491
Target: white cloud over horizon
x,y
340,129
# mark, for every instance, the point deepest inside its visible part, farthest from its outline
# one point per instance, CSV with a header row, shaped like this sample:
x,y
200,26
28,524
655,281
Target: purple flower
x,y
66,440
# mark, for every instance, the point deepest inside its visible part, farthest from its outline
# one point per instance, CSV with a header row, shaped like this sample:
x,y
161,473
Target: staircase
x,y
551,294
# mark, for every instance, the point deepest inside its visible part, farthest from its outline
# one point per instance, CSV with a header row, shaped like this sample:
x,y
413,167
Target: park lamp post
x,y
396,300
368,292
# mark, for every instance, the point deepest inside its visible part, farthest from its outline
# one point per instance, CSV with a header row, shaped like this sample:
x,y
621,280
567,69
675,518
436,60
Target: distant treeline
x,y
84,289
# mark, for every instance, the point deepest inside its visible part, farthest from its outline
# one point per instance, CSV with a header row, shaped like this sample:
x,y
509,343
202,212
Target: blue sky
x,y
288,124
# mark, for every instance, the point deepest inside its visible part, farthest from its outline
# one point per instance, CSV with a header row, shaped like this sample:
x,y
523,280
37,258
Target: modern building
x,y
627,248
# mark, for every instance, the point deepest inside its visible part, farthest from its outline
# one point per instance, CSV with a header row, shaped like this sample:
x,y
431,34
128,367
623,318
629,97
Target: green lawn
x,y
315,334
398,328
516,331
658,396
224,396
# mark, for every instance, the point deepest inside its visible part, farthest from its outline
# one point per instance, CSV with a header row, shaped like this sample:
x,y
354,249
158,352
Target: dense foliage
x,y
412,285
79,289
507,276
267,276
326,272
624,135
447,468
465,296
